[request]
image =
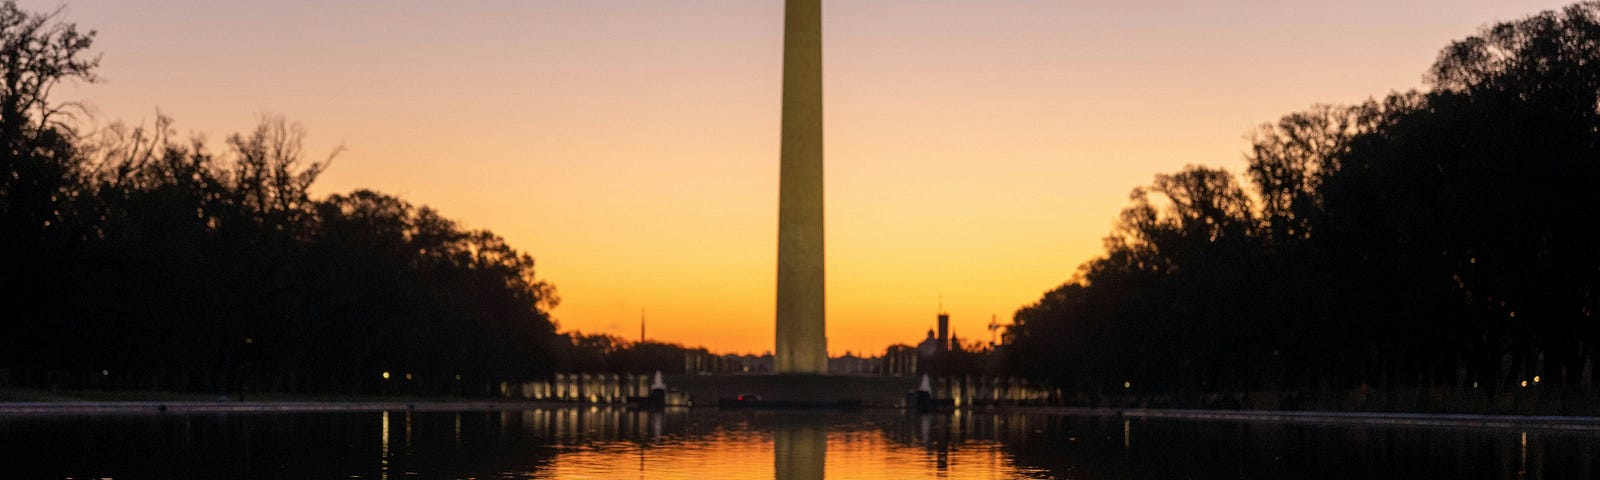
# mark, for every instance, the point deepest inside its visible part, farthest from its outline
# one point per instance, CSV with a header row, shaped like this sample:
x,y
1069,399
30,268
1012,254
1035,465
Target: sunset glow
x,y
977,151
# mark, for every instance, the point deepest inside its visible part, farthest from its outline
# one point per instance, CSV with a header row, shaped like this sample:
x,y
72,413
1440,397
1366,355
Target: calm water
x,y
709,445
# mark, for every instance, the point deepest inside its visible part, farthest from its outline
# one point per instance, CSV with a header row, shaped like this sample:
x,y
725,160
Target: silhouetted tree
x,y
1175,279
1427,239
134,260
39,176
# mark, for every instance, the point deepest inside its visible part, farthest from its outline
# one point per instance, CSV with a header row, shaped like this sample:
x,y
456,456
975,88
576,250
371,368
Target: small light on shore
x,y
385,375
1524,384
408,376
1127,384
1535,379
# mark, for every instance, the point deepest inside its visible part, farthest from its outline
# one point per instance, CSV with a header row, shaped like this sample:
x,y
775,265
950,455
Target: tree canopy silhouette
x,y
134,259
1442,238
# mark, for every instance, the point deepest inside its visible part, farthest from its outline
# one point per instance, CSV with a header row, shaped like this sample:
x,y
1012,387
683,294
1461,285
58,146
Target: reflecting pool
x,y
583,443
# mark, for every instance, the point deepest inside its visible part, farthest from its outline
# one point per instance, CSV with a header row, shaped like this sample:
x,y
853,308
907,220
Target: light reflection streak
x,y
1522,458
383,440
1127,429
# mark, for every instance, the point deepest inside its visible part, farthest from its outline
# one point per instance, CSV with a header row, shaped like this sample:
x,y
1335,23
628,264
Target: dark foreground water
x,y
708,445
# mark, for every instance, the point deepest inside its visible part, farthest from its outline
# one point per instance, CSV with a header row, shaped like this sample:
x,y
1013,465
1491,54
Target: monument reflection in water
x,y
799,451
710,445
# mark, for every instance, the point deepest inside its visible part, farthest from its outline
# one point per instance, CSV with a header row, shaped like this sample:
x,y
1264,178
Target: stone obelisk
x,y
802,345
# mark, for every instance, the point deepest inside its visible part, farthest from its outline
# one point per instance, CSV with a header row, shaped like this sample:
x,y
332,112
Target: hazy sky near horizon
x,y
977,150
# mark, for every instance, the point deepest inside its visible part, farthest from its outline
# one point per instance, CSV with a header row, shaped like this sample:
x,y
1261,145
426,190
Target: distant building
x,y
900,360
928,352
935,345
944,332
897,360
850,364
928,347
701,361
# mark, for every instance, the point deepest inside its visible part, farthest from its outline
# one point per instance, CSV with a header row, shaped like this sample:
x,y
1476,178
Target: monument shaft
x,y
802,345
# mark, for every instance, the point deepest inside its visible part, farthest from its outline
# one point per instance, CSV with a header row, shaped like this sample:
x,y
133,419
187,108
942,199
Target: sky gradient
x,y
977,150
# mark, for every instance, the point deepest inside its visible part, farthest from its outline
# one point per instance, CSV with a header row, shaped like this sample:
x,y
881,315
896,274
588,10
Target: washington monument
x,y
802,345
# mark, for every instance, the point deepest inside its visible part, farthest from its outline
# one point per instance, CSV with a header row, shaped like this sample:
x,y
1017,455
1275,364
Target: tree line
x,y
135,259
1446,238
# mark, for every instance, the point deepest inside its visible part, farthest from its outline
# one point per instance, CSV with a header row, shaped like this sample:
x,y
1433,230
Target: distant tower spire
x,y
944,331
641,325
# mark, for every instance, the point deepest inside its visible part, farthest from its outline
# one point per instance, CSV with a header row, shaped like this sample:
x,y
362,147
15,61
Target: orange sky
x,y
977,150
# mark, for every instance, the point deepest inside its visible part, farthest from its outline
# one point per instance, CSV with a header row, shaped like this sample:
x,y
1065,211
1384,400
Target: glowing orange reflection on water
x,y
792,446
745,454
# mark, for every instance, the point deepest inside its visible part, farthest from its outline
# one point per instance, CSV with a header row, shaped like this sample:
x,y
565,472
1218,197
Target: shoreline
x,y
1459,420
1555,422
121,407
